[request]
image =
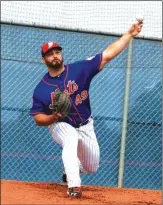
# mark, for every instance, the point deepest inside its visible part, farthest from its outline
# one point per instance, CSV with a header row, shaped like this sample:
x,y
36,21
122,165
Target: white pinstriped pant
x,y
80,148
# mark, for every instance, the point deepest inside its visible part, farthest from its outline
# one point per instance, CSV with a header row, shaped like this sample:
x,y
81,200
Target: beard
x,y
56,64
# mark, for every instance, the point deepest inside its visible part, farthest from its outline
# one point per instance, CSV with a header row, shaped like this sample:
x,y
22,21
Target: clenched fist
x,y
135,29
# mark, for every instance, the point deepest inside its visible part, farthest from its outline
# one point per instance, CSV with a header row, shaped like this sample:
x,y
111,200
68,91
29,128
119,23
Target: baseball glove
x,y
62,103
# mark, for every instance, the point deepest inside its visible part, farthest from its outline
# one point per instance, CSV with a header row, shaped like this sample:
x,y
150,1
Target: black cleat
x,y
64,177
74,192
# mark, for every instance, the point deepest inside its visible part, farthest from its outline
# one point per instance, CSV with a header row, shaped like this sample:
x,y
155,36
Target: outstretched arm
x,y
118,46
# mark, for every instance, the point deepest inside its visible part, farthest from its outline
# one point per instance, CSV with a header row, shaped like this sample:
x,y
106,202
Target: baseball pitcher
x,y
61,102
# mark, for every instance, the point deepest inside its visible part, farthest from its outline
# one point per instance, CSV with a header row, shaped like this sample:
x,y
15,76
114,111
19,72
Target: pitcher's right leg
x,y
65,135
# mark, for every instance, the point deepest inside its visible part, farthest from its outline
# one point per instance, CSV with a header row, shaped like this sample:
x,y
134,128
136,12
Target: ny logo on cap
x,y
50,44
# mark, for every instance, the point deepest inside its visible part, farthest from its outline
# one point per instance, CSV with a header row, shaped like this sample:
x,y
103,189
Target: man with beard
x,y
74,133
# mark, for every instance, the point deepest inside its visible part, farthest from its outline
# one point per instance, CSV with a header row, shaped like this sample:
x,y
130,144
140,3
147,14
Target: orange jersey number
x,y
80,98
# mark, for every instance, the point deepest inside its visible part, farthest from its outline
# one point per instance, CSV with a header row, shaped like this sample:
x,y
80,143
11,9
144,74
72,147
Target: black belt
x,y
82,123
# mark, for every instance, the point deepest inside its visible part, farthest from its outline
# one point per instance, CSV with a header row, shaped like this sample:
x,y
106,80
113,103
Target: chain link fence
x,y
28,151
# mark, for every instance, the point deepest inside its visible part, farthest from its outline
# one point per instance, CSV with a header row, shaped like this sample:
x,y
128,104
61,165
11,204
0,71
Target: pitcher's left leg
x,y
88,148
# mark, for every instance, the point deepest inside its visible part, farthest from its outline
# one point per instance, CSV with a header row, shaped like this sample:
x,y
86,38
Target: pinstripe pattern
x,y
80,149
88,148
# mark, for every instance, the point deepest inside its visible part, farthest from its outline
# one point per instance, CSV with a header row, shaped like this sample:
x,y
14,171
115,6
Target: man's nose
x,y
54,54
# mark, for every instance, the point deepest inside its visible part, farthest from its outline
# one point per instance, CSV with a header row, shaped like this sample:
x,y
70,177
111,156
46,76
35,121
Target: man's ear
x,y
43,60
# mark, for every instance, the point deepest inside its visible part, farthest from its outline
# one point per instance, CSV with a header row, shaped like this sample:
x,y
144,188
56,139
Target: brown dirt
x,y
18,192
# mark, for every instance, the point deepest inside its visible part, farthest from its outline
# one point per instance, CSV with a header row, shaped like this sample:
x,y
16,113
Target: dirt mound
x,y
18,192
